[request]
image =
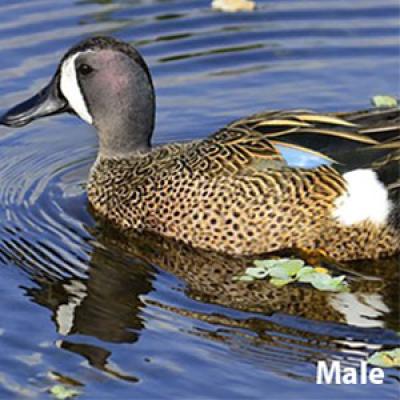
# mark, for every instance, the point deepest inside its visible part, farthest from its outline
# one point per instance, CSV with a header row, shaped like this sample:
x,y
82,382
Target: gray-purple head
x,y
107,84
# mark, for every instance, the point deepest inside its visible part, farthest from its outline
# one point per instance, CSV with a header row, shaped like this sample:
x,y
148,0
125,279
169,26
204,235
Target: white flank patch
x,y
366,199
70,88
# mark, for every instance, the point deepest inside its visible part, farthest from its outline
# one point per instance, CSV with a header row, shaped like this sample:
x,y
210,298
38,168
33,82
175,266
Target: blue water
x,y
81,306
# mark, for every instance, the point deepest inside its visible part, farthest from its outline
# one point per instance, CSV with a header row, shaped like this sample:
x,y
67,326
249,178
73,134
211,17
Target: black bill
x,y
48,101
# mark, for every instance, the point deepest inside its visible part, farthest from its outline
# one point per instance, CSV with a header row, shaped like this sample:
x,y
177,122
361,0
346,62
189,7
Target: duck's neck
x,y
127,134
123,149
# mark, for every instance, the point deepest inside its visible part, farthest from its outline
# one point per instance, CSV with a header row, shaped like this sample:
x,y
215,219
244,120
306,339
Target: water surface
x,y
147,318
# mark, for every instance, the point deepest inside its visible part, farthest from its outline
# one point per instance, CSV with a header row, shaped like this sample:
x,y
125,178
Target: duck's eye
x,y
84,69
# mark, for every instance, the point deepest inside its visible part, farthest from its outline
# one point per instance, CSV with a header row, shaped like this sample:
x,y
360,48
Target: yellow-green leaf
x,y
62,392
386,359
280,282
382,101
286,270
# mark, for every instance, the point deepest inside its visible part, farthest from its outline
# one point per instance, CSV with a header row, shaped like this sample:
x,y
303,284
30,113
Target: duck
x,y
233,192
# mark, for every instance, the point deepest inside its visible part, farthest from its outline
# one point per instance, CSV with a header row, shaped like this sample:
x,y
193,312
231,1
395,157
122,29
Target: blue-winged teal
x,y
233,192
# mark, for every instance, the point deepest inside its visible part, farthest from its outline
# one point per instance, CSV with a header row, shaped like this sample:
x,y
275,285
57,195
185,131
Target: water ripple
x,y
128,309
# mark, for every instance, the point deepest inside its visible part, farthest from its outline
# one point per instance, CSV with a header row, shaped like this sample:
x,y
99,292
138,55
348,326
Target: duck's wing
x,y
326,133
231,151
263,141
382,124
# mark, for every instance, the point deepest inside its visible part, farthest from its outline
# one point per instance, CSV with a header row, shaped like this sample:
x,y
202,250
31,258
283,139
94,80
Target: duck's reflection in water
x,y
279,327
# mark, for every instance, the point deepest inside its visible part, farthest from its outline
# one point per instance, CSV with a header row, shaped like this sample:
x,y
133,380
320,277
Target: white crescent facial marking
x,y
366,199
70,88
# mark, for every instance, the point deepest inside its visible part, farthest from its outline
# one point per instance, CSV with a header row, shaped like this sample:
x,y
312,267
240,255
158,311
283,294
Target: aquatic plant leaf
x,y
305,274
61,392
281,266
291,267
278,273
385,359
267,264
280,282
321,280
283,269
325,282
382,101
287,270
257,272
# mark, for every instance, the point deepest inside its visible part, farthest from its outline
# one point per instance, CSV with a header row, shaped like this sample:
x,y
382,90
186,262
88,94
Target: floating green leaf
x,y
386,359
62,392
305,274
287,270
267,264
382,101
278,273
280,282
257,272
290,267
327,283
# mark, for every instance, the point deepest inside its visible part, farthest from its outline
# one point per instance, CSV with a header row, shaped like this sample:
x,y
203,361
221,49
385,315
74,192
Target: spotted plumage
x,y
234,192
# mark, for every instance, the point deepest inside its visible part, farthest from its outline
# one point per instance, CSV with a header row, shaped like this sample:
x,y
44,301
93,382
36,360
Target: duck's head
x,y
107,84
